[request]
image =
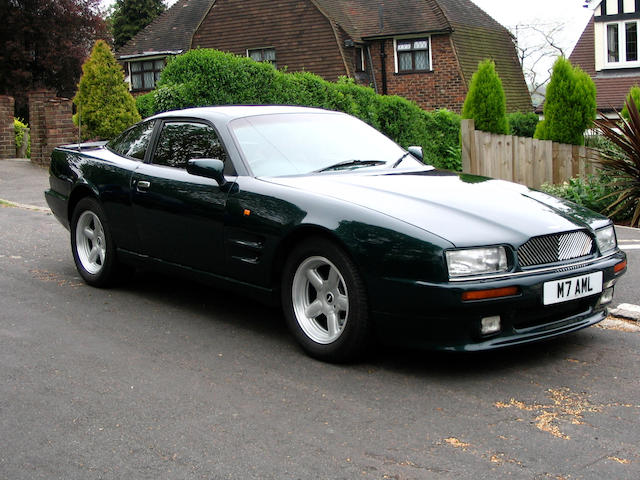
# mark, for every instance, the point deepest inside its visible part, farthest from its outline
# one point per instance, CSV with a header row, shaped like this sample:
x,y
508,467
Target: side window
x,y
133,143
179,142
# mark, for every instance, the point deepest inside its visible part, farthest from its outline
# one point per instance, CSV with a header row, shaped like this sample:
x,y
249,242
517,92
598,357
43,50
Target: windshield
x,y
300,143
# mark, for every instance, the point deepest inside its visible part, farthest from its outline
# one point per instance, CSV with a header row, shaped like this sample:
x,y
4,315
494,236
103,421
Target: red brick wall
x,y
7,135
444,87
302,36
51,124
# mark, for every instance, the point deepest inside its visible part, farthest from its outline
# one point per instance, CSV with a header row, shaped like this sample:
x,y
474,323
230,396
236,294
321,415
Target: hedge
x,y
523,124
204,77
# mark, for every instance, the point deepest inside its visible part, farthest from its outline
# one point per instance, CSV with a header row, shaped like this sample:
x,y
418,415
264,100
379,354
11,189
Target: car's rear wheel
x,y
325,302
93,249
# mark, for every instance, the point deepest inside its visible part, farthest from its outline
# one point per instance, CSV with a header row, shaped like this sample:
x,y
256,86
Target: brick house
x,y
608,51
424,50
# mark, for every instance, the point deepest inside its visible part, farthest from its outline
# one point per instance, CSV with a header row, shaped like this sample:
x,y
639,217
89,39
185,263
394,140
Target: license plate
x,y
572,288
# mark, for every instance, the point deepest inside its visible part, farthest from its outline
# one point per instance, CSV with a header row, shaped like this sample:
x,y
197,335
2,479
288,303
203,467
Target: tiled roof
x,y
376,18
612,87
171,31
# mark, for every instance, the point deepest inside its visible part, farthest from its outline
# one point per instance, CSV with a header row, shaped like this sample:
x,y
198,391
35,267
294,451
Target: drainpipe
x,y
383,62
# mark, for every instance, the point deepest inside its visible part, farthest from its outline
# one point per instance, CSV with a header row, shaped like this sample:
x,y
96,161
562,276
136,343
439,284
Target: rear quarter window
x,y
133,143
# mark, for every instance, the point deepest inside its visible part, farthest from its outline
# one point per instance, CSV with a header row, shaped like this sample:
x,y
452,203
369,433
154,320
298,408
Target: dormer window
x,y
413,55
622,44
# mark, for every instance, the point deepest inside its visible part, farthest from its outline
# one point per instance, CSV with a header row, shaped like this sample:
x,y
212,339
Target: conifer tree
x,y
105,106
131,16
570,105
634,93
486,102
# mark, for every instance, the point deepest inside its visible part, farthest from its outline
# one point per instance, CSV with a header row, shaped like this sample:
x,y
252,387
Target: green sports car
x,y
355,237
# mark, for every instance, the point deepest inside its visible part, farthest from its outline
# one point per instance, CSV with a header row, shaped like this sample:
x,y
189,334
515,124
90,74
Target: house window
x,y
622,44
413,55
359,60
263,55
145,74
631,41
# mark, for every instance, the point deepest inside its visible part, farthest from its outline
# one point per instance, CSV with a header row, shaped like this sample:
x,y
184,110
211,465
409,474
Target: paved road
x,y
166,379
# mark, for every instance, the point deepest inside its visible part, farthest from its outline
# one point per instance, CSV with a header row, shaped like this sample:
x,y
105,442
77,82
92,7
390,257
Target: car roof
x,y
231,112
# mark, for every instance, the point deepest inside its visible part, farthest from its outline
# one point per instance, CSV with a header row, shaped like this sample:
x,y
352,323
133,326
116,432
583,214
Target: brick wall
x,y
7,135
443,87
50,118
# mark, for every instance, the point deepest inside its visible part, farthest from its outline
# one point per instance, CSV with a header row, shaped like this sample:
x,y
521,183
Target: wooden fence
x,y
523,160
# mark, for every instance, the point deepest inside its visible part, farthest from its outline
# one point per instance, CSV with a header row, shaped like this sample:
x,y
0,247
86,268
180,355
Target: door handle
x,y
143,186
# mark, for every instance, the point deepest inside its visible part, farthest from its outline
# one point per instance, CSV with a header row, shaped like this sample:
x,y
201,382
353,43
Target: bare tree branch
x,y
537,44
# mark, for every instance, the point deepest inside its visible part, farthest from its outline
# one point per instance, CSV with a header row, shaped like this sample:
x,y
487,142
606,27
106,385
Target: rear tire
x,y
94,251
325,302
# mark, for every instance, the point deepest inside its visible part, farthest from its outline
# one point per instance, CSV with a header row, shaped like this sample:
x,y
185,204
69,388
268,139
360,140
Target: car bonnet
x,y
467,210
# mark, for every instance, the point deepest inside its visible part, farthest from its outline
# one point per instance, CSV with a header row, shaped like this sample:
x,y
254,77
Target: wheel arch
x,y
297,236
81,191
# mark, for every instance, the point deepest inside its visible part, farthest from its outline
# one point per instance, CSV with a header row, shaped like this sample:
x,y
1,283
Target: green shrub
x,y
570,105
604,145
624,167
593,191
211,77
522,124
145,104
105,106
19,129
486,102
634,92
441,144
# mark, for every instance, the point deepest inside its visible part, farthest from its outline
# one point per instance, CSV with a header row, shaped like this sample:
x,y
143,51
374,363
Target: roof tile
x,y
171,31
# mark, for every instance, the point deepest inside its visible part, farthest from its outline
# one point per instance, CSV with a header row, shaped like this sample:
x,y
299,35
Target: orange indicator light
x,y
620,266
247,212
492,293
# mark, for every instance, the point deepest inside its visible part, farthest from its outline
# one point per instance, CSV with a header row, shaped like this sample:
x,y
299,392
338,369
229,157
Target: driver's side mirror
x,y
209,168
416,152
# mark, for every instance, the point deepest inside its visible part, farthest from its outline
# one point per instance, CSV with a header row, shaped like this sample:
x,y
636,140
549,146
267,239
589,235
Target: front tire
x,y
93,248
325,301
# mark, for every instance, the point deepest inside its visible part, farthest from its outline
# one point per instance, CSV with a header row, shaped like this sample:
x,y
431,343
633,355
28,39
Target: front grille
x,y
555,248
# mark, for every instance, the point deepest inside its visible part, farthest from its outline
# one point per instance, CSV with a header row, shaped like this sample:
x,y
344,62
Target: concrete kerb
x,y
24,206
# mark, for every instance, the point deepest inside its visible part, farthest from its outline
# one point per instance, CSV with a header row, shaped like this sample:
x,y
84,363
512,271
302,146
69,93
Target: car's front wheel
x,y
93,248
325,302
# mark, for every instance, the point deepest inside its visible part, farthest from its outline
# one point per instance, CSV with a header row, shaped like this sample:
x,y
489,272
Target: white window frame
x,y
412,37
142,60
622,62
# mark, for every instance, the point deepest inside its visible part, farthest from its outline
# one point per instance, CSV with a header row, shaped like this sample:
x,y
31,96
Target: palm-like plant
x,y
626,135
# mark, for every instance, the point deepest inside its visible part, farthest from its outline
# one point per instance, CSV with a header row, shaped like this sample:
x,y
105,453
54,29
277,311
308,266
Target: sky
x,y
570,13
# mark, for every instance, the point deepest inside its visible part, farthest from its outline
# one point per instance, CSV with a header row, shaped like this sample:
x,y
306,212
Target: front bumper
x,y
433,315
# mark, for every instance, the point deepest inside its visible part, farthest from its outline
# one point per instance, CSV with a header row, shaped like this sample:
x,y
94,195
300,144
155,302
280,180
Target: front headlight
x,y
606,238
476,261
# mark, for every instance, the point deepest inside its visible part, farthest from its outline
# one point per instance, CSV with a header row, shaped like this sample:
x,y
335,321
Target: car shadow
x,y
201,300
238,312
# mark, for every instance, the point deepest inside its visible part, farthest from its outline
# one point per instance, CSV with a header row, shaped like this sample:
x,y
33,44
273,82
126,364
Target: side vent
x,y
245,247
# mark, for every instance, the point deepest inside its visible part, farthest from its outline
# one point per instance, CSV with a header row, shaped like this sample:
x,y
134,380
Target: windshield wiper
x,y
350,163
399,161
